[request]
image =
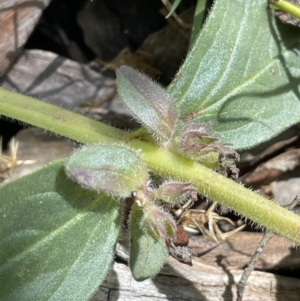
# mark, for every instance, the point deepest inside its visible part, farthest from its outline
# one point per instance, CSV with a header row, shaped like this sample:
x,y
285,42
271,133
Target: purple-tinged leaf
x,y
115,169
174,192
149,102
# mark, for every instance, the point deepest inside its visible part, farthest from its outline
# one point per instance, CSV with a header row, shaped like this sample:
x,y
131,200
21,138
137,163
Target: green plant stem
x,y
223,190
160,161
287,7
58,120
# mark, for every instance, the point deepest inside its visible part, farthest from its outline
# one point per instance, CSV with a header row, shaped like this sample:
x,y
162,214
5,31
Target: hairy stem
x,y
57,120
159,160
222,190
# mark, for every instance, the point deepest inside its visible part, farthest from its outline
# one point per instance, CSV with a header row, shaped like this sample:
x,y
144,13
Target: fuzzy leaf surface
x,y
148,251
115,169
242,74
57,240
151,104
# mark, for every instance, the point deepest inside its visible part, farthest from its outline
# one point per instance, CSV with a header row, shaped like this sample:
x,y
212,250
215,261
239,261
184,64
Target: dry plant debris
x,y
8,163
196,220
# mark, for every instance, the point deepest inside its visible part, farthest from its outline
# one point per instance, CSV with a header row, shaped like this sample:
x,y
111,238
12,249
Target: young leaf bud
x,y
152,105
196,142
156,219
195,137
114,169
174,193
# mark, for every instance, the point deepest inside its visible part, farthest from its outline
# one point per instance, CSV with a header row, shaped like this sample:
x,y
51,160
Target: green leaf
x,y
57,240
173,8
199,17
242,74
151,104
148,252
115,169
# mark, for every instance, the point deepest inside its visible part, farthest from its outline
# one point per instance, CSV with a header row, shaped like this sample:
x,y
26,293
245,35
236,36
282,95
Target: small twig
x,y
247,271
268,235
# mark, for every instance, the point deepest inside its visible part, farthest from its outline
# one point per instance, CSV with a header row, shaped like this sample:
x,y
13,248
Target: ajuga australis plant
x,y
60,225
